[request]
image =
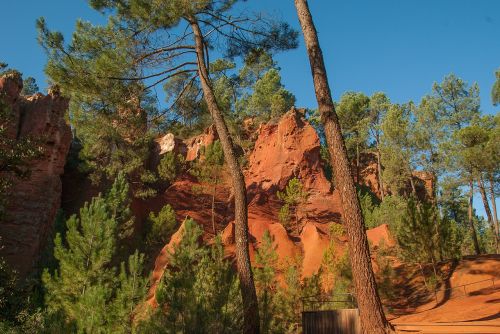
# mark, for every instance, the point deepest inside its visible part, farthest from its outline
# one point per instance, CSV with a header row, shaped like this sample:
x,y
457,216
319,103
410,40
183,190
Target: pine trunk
x,y
372,316
482,190
214,190
357,164
494,205
251,311
379,171
471,220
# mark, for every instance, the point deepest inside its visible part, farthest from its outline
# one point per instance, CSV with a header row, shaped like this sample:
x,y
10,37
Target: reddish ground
x,y
467,302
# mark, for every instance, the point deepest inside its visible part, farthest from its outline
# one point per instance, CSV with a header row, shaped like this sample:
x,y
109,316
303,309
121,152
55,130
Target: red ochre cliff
x,y
34,201
282,151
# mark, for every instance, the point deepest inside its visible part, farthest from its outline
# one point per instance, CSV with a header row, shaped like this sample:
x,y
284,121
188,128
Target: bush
x,y
170,166
162,226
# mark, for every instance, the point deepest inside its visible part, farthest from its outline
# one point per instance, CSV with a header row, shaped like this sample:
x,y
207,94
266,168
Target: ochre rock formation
x,y
168,143
34,201
283,150
196,143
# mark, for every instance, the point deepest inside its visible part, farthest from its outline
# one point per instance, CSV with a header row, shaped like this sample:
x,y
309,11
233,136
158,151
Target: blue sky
x,y
396,46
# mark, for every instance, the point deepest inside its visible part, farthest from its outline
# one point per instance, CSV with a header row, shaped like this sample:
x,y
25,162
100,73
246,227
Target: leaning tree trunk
x,y
251,311
471,220
379,172
494,204
371,313
482,190
214,191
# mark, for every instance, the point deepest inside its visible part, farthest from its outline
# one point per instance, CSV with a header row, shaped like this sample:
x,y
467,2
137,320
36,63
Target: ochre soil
x,y
455,308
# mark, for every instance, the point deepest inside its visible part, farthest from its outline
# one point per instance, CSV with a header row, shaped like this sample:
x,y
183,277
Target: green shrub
x,y
162,226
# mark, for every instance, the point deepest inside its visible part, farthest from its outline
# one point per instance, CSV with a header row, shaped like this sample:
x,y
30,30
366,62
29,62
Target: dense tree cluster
x,y
445,136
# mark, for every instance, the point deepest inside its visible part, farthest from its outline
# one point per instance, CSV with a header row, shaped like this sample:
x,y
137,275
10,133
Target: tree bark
x,y
482,190
372,316
214,190
494,204
471,221
379,171
357,164
251,322
413,188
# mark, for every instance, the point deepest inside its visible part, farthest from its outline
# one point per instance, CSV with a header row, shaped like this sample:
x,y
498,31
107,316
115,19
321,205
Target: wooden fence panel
x,y
345,321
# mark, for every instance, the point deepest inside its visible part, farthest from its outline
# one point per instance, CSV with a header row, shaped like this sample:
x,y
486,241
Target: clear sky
x,y
399,47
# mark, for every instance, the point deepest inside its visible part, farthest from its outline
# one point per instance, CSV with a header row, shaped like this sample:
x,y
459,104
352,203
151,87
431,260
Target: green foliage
x,y
326,163
162,226
458,102
109,116
418,237
131,292
170,166
77,288
386,274
29,86
198,292
265,280
495,91
353,116
391,211
8,283
284,214
293,196
269,99
450,107
84,288
118,201
397,148
288,296
367,201
336,273
209,168
377,109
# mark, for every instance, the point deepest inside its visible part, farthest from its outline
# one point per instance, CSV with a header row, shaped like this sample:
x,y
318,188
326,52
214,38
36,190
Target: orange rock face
x,y
288,149
196,143
34,201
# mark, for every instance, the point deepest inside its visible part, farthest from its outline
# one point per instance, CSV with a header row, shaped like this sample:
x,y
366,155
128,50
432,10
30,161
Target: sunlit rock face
x,y
34,201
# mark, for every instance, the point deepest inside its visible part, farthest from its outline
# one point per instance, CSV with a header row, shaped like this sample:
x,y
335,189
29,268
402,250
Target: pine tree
x,y
397,148
162,226
109,117
288,296
265,281
372,315
83,288
353,116
495,91
377,109
198,292
118,203
417,236
335,272
209,170
469,144
80,287
268,100
294,196
29,86
131,291
171,165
